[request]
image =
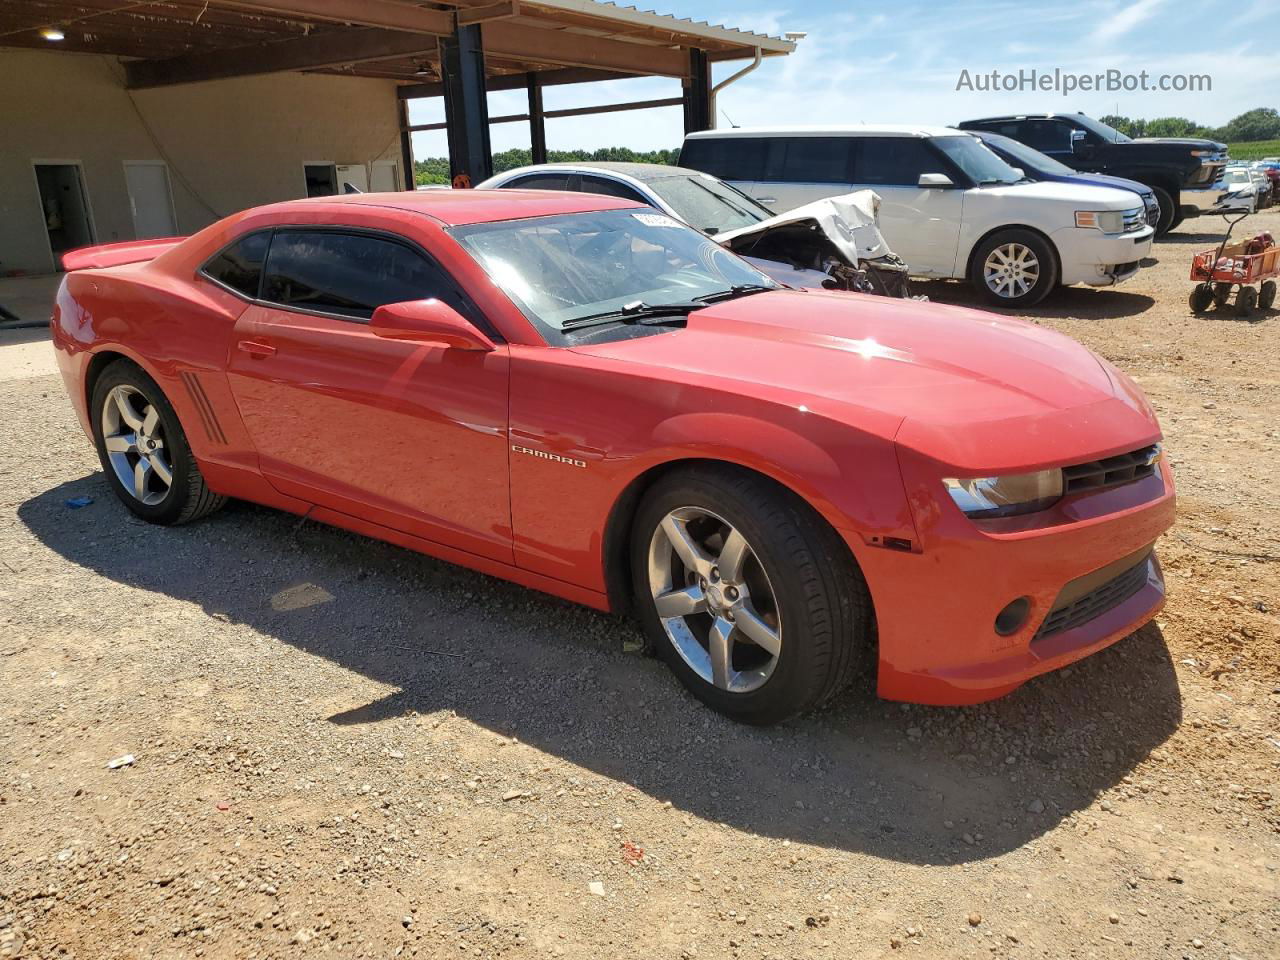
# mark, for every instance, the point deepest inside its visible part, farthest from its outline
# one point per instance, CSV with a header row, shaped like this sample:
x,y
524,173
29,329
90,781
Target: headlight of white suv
x,y
1108,221
1007,496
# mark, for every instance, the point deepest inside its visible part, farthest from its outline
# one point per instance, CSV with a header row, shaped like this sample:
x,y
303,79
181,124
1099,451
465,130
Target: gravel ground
x,y
342,747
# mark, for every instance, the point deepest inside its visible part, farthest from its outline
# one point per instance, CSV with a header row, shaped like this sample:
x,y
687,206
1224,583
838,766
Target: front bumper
x,y
936,606
1193,201
1099,259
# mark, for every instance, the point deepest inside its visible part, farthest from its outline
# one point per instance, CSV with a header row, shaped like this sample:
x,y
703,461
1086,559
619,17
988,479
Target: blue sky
x,y
900,63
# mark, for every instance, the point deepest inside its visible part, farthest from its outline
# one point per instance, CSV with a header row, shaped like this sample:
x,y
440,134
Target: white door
x,y
150,200
354,175
385,177
920,224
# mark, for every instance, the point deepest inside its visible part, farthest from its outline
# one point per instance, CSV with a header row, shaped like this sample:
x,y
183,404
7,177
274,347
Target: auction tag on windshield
x,y
655,220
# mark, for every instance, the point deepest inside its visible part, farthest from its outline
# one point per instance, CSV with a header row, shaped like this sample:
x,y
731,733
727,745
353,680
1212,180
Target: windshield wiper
x,y
737,290
649,314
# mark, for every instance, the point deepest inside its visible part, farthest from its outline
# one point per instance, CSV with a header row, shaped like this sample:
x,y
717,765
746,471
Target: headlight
x,y
983,497
1108,221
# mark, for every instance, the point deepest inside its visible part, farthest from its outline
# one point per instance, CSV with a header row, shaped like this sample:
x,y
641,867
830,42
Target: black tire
x,y
188,497
1046,256
1267,296
1222,294
1246,302
1201,297
1168,211
823,606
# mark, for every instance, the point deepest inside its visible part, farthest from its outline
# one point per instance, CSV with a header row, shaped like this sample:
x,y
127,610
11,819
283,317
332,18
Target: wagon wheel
x,y
1221,294
1246,301
1201,297
1268,295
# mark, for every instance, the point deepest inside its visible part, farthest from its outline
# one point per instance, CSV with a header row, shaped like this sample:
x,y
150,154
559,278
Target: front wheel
x,y
1168,211
143,450
1014,268
750,597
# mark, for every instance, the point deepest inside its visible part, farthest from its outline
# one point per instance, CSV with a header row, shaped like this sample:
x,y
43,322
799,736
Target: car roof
x,y
1023,116
636,171
460,207
833,130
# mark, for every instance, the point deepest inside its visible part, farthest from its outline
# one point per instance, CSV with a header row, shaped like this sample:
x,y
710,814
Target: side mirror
x,y
428,321
1080,145
936,180
1022,174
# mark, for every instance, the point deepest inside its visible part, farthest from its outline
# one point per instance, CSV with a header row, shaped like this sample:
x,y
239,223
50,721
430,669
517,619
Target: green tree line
x,y
1262,123
436,169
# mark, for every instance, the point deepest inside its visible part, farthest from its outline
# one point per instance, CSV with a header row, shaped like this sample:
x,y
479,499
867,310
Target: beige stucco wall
x,y
236,143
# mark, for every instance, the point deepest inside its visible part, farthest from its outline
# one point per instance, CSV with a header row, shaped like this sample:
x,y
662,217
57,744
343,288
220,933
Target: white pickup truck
x,y
950,207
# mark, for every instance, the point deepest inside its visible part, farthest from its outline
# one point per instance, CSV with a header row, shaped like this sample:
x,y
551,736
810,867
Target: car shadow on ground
x,y
914,784
1102,303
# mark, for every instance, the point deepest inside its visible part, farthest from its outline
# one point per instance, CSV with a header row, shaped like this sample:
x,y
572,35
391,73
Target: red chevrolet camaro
x,y
586,397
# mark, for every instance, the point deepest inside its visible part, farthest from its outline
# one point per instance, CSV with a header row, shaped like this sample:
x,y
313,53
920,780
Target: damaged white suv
x,y
950,207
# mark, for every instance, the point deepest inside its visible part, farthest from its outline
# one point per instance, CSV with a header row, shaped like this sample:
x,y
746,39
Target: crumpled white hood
x,y
849,221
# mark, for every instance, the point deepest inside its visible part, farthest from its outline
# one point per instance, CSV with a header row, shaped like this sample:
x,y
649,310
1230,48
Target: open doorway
x,y
65,207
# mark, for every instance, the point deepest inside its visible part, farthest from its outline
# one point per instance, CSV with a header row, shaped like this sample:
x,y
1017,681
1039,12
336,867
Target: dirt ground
x,y
344,748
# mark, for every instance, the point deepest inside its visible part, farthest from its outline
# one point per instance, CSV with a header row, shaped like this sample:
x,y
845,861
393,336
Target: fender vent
x,y
212,429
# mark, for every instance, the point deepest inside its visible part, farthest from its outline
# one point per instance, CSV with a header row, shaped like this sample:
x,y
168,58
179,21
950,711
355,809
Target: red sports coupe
x,y
586,397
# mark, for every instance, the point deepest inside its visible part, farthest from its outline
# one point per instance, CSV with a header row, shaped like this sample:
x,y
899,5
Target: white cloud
x,y
1126,20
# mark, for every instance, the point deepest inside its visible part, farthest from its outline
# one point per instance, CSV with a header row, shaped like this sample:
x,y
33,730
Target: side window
x,y
1047,136
347,274
239,266
809,160
729,158
610,188
540,181
895,161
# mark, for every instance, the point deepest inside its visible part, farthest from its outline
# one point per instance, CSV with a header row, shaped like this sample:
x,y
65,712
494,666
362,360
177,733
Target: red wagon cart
x,y
1238,267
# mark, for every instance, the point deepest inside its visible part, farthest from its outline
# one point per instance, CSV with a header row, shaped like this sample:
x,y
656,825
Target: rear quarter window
x,y
729,158
239,266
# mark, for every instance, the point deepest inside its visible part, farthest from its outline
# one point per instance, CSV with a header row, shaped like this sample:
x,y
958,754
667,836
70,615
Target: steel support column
x,y
406,147
537,127
697,93
466,108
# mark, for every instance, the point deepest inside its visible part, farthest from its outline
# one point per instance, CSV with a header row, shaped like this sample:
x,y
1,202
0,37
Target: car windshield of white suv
x,y
607,267
981,165
707,204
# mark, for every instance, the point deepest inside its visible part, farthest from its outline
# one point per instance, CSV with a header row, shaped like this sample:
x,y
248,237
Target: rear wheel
x,y
1246,301
1267,296
143,450
1222,294
751,598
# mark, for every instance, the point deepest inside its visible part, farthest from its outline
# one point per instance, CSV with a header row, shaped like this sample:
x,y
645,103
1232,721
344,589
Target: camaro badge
x,y
543,455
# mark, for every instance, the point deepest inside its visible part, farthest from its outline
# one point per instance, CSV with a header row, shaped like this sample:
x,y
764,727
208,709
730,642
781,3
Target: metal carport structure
x,y
458,49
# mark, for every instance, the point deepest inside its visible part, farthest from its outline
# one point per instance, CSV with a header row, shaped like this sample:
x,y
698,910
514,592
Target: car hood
x,y
1116,183
1191,143
1046,191
965,387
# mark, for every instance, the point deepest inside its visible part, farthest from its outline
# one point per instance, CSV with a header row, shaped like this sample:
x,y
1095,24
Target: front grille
x,y
1096,602
1111,471
1134,219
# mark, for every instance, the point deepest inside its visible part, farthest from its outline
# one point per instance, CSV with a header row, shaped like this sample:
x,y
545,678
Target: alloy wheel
x,y
1011,270
133,435
714,600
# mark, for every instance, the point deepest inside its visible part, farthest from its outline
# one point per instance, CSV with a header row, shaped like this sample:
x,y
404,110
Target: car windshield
x,y
1238,176
981,165
1110,134
1029,158
708,204
565,269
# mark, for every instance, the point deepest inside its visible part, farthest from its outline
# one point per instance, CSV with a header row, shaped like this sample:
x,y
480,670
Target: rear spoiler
x,y
115,254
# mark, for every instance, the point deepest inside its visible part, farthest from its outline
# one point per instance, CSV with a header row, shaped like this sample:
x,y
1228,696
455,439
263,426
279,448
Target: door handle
x,y
255,348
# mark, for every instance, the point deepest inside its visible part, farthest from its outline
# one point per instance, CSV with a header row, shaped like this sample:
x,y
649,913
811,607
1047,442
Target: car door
x,y
409,435
920,224
800,170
